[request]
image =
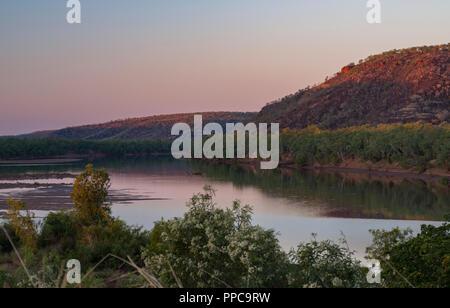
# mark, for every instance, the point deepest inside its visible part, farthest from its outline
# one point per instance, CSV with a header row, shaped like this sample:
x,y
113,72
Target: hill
x,y
153,127
399,86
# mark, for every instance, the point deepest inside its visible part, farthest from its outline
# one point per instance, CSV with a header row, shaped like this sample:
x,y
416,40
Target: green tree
x,y
325,265
421,261
90,196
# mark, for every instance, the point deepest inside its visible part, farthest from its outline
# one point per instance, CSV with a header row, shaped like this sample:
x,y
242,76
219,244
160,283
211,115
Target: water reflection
x,y
339,195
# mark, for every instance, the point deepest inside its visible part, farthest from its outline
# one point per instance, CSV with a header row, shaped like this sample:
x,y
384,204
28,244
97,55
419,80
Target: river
x,y
294,203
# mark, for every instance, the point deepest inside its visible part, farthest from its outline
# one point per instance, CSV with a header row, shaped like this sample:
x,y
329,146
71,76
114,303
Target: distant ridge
x,y
398,86
152,127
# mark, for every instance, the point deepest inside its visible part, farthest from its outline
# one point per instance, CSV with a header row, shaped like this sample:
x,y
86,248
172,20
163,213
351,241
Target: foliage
x,y
419,261
325,265
90,196
416,145
115,238
66,233
59,229
24,148
6,279
212,247
24,225
5,245
89,233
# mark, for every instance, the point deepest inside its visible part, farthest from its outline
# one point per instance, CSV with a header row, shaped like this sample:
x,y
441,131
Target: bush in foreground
x,y
212,247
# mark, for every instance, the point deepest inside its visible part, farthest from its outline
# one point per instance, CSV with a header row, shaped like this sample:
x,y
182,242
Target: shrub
x,y
419,261
116,238
211,247
5,245
24,226
60,229
6,279
325,265
65,233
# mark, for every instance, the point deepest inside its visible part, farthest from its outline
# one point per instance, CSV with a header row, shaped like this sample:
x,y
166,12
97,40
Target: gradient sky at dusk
x,y
143,57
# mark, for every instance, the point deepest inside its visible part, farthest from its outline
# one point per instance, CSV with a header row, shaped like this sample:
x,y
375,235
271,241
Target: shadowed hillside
x,y
153,127
398,86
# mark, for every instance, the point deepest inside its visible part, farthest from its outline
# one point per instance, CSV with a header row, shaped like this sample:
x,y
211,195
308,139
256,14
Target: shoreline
x,y
348,167
69,158
431,175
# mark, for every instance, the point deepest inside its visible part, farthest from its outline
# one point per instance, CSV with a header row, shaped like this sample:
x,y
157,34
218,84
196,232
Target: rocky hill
x,y
153,127
398,86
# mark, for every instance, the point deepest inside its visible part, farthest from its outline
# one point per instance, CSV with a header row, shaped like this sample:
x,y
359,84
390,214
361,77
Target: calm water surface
x,y
294,203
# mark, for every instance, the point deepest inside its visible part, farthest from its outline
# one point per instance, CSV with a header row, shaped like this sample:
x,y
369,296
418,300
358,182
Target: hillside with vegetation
x,y
145,128
398,86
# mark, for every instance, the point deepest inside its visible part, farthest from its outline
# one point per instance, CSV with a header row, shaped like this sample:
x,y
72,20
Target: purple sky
x,y
138,58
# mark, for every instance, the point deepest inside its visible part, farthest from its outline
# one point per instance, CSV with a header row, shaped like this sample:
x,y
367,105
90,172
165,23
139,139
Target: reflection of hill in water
x,y
346,197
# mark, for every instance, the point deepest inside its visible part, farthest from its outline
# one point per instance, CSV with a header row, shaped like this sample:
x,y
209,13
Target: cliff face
x,y
398,86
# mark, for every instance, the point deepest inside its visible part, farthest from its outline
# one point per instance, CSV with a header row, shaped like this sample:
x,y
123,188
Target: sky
x,y
146,57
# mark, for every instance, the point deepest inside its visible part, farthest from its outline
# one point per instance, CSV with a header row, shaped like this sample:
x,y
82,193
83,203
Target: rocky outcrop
x,y
398,86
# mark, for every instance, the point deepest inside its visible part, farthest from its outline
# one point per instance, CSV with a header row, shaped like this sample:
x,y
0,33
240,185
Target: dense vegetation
x,y
420,261
418,145
13,148
207,247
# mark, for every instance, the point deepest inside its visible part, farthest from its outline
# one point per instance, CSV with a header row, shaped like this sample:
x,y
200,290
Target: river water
x,y
294,203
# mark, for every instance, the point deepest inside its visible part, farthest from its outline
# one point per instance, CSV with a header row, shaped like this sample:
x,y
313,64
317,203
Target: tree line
x,y
16,148
415,145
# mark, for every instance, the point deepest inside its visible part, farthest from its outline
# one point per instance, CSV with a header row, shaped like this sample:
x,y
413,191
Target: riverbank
x,y
70,159
40,161
352,167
